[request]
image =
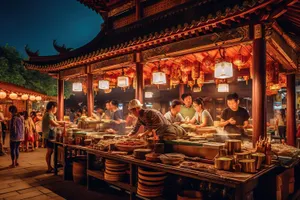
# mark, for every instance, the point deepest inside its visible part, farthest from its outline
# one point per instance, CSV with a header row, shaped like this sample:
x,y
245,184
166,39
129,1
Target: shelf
x,y
100,175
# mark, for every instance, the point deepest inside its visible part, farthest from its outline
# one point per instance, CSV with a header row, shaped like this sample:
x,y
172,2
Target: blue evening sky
x,y
38,22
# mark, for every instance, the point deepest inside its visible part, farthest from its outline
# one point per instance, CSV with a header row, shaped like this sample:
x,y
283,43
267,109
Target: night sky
x,y
38,22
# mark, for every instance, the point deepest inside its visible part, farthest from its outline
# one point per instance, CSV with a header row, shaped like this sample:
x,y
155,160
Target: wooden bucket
x,y
79,170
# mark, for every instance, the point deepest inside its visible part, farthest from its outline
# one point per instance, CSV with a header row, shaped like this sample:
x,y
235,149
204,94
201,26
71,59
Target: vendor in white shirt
x,y
202,117
174,115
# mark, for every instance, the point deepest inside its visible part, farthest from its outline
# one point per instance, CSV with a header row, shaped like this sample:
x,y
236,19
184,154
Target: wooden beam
x,y
90,94
283,48
291,109
60,99
259,98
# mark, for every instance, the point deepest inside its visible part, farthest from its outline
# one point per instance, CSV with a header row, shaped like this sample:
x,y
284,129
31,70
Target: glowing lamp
x,y
38,98
148,95
2,94
24,97
223,87
77,87
107,91
123,81
159,78
32,98
223,70
103,84
13,96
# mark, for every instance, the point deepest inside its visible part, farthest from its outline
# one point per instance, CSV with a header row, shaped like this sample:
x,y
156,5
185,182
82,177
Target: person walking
x,y
16,134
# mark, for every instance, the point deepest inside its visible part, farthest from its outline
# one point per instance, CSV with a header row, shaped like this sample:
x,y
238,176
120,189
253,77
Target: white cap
x,y
135,103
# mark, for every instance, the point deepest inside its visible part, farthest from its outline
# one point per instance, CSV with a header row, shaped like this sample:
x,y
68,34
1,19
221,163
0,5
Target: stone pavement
x,y
29,181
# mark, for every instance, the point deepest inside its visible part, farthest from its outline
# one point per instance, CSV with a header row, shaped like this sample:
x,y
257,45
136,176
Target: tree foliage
x,y
12,71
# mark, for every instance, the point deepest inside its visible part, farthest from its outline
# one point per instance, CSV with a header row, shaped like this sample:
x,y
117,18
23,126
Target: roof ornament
x,y
61,49
31,53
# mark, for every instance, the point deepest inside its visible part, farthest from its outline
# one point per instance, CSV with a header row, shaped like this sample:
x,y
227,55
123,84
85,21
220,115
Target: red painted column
x,y
139,94
90,94
291,109
259,98
60,99
181,90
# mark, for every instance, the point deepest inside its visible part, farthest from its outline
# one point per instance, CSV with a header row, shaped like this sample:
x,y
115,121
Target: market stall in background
x,y
156,51
22,98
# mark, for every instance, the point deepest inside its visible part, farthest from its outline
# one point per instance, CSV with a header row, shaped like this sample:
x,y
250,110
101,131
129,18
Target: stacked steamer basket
x,y
114,170
150,182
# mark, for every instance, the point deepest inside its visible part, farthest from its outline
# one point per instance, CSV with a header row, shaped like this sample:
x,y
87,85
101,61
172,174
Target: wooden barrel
x,y
79,170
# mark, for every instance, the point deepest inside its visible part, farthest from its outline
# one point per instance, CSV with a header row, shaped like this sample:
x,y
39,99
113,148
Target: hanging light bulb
x,y
103,84
159,77
13,96
123,81
2,94
38,98
77,87
223,87
32,98
223,70
107,91
25,97
148,95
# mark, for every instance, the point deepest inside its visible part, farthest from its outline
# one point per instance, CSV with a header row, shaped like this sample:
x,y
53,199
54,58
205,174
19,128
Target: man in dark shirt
x,y
234,118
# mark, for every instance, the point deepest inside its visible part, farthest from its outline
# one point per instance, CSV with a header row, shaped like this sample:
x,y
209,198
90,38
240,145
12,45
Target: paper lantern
x,y
123,81
223,87
148,95
2,94
159,78
13,95
223,70
32,98
25,97
77,87
103,84
38,98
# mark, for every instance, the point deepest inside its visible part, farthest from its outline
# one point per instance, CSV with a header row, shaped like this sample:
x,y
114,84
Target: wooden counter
x,y
241,186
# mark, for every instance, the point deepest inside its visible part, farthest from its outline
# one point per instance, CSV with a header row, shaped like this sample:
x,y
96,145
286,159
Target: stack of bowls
x,y
150,182
114,170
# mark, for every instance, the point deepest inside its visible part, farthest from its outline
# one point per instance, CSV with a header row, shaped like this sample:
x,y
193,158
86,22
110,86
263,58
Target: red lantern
x,y
200,80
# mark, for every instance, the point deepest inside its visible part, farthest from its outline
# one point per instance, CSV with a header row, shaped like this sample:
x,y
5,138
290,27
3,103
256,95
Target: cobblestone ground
x,y
29,181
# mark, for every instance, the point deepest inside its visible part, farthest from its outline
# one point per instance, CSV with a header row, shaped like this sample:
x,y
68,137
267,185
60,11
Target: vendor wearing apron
x,y
234,119
153,121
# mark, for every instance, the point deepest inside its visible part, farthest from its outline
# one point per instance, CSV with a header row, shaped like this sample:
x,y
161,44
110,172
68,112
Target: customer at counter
x,y
234,118
108,111
117,117
153,121
202,117
187,110
174,115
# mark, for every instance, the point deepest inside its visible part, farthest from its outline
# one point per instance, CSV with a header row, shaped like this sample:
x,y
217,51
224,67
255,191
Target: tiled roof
x,y
175,24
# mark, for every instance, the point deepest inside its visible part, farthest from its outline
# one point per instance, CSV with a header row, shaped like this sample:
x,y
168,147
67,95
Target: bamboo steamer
x,y
151,173
109,177
152,178
115,172
151,183
148,194
116,169
150,188
79,170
